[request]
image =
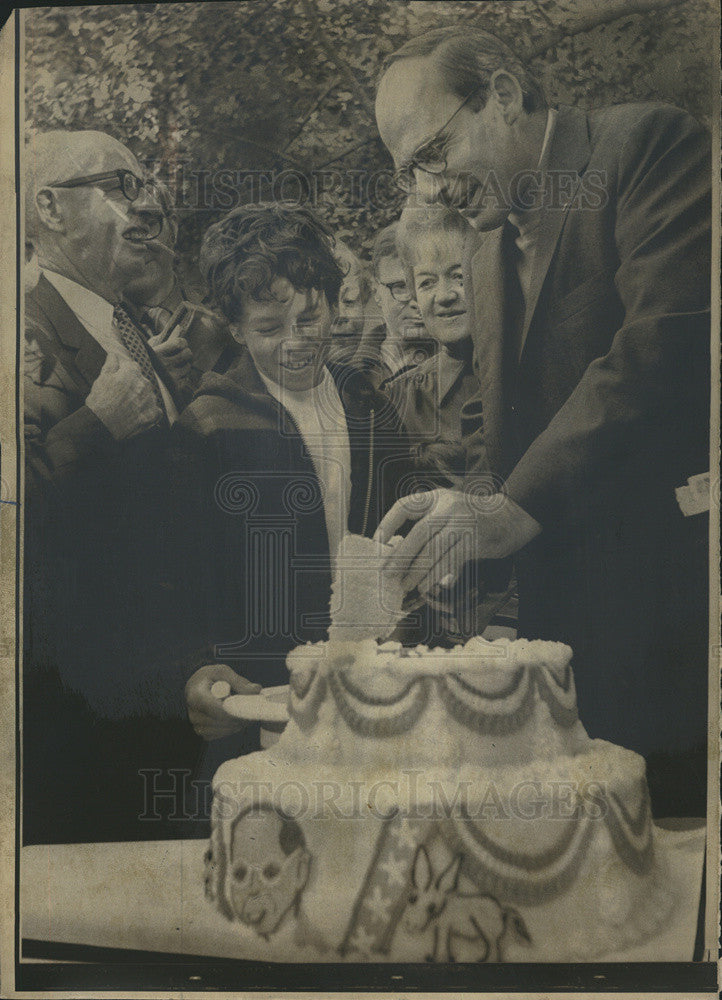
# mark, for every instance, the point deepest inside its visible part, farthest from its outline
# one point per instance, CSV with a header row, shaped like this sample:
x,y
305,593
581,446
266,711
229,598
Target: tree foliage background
x,y
288,85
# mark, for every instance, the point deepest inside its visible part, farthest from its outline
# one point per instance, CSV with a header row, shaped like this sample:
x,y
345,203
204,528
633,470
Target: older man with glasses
x,y
95,232
98,407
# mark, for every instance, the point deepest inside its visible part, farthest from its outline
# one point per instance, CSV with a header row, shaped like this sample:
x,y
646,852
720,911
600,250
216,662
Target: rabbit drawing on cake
x,y
456,916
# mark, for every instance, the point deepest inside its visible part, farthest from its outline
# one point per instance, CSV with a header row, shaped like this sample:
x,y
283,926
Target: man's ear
x,y
49,211
302,867
506,90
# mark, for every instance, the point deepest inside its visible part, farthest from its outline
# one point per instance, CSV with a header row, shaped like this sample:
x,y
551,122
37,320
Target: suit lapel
x,y
568,156
79,352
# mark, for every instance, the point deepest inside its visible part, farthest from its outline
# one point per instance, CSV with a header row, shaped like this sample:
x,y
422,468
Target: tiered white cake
x,y
435,805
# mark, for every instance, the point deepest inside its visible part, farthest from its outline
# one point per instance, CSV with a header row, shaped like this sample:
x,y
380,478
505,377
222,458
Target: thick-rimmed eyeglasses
x,y
128,182
399,291
131,185
429,156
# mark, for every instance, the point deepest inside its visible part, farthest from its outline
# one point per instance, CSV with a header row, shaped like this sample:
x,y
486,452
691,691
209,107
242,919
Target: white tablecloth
x,y
149,896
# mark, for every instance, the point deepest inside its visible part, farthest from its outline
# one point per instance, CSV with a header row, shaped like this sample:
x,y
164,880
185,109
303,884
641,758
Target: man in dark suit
x,y
190,338
102,698
591,303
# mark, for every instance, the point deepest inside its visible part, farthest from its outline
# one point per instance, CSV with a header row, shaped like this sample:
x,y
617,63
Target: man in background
x,y
190,338
394,338
353,300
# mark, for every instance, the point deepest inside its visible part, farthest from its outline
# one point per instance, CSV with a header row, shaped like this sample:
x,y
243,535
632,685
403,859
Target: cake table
x,y
149,896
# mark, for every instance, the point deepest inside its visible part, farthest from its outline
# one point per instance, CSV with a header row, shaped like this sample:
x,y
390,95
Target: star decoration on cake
x,y
362,941
395,869
406,835
378,903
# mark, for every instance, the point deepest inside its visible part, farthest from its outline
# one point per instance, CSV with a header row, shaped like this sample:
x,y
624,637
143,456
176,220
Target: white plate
x,y
269,705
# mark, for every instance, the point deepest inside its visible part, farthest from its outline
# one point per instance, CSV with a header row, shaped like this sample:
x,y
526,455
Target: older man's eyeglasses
x,y
131,185
430,156
399,291
128,182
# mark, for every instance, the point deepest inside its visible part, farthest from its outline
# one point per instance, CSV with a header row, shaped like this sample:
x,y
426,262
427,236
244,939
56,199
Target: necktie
x,y
514,299
514,309
135,345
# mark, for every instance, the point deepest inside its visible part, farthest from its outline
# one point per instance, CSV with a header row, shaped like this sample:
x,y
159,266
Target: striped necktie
x,y
136,347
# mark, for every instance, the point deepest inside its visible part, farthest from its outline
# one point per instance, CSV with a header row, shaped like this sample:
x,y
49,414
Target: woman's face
x,y
439,284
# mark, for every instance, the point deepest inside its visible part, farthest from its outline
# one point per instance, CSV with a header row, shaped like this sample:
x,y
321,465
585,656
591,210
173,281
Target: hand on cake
x,y
205,708
453,527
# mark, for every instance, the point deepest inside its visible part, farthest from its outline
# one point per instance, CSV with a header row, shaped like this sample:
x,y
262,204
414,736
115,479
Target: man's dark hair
x,y
384,245
254,244
467,57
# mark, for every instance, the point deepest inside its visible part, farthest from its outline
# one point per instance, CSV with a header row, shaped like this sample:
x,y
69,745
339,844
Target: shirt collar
x,y
450,370
447,371
93,311
304,397
527,220
552,116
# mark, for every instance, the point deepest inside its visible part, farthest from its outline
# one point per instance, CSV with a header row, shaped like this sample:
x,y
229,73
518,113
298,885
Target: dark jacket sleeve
x,y
631,400
195,533
61,433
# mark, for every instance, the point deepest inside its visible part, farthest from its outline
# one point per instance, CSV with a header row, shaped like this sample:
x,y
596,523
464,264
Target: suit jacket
x,y
607,410
102,676
62,361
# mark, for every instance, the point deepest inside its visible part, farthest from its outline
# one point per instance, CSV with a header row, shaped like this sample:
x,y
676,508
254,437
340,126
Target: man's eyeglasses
x,y
429,156
399,291
131,185
128,182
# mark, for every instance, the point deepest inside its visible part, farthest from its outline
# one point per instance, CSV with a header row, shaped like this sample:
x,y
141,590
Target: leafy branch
x,y
340,64
307,117
347,152
543,14
612,12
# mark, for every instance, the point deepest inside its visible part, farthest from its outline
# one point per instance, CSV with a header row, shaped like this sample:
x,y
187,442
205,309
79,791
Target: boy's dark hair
x,y
254,244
